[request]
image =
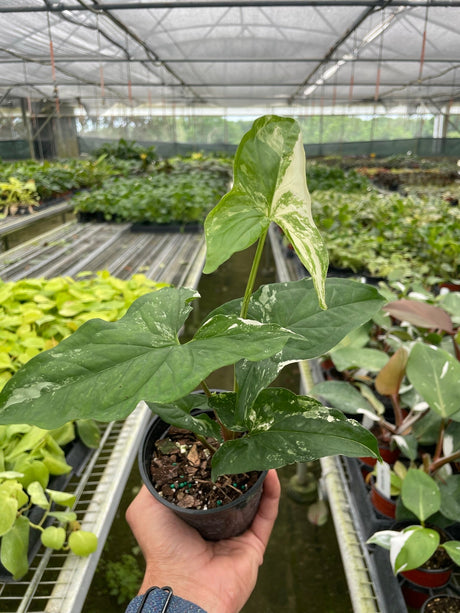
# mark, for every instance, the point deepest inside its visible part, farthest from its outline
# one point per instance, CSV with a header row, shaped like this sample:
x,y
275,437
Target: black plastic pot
x,y
213,524
441,601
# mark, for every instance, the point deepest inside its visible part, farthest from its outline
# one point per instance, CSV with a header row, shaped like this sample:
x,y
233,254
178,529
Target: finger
x,y
268,509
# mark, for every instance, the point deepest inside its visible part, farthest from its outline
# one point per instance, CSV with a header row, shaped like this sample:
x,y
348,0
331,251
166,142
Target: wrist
x,y
162,599
192,591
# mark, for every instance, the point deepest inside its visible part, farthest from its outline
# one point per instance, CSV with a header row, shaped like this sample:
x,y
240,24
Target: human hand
x,y
218,576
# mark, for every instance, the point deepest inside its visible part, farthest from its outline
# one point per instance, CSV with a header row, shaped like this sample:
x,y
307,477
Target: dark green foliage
x,y
127,150
56,178
183,192
323,177
123,578
402,238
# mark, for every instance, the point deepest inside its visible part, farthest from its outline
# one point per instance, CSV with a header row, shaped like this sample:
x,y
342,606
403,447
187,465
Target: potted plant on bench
x,y
104,369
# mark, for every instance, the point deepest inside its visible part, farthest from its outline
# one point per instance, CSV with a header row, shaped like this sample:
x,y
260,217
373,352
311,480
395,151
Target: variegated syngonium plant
x,y
104,369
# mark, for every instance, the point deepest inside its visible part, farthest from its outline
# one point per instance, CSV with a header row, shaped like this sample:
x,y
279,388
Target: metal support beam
x,y
190,60
211,84
109,6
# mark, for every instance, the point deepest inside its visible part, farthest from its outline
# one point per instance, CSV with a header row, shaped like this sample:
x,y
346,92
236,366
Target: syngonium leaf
x,y
294,305
269,186
435,374
287,428
178,413
104,369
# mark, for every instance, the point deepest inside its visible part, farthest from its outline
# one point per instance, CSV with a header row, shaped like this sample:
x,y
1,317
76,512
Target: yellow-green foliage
x,y
35,314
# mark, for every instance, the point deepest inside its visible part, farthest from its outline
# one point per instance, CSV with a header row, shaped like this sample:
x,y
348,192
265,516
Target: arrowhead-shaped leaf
x,y
177,414
269,186
435,374
294,305
104,369
286,428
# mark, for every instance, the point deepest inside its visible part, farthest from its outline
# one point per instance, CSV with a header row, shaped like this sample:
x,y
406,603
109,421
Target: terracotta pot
x,y
385,506
213,524
414,595
426,577
388,455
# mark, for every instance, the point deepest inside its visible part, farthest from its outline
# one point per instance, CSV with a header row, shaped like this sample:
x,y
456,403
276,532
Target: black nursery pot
x,y
223,522
440,603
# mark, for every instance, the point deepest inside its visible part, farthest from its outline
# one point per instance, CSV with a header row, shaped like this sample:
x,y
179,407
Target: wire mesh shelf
x,y
57,582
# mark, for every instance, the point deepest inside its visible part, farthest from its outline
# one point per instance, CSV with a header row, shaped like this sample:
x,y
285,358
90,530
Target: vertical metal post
x,y
26,121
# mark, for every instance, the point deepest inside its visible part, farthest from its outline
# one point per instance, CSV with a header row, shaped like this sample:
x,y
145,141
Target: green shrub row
x,y
180,192
56,178
390,235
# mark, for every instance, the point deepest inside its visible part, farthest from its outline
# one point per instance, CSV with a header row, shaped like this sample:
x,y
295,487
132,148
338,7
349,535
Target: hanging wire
x,y
130,92
53,66
377,80
422,53
352,75
101,66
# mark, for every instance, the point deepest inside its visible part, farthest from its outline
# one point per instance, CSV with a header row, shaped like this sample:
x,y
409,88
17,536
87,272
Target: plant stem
x,y
445,460
440,442
250,285
253,274
206,444
397,409
206,389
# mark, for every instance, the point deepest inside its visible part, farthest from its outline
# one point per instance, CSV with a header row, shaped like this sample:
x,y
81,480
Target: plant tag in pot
x,y
383,481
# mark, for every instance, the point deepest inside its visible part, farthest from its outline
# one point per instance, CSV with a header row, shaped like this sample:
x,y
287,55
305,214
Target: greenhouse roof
x,y
118,54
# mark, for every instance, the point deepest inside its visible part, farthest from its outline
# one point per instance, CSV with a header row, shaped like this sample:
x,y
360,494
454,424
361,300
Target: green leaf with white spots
x,y
105,368
285,428
269,186
294,305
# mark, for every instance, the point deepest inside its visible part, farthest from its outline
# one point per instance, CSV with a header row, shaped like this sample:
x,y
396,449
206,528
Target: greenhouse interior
x,y
230,243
